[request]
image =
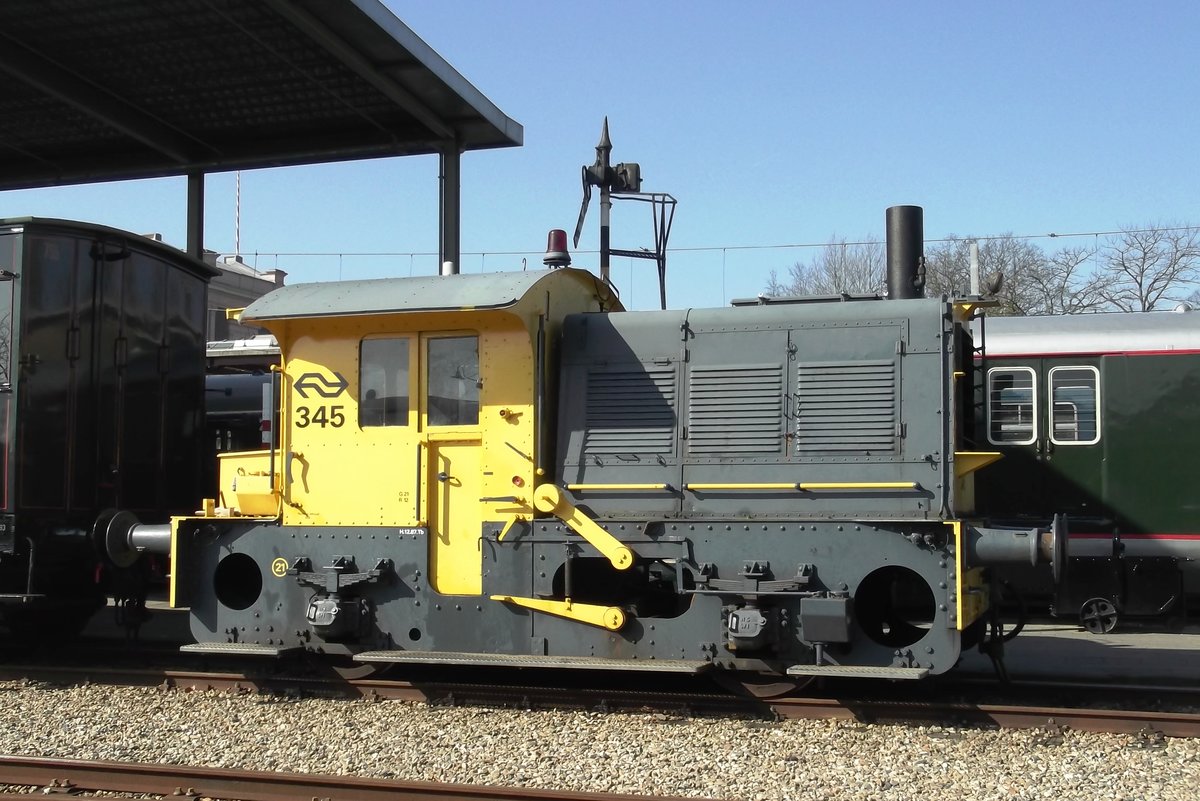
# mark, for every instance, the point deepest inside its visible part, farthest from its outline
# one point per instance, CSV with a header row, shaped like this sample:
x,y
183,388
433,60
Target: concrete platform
x,y
162,624
1124,656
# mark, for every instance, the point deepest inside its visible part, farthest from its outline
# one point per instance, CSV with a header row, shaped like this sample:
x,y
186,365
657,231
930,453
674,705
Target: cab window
x,y
1012,407
383,382
452,383
1075,393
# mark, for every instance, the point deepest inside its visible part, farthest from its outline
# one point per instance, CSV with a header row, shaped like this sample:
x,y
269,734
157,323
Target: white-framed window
x,y
1012,405
1075,393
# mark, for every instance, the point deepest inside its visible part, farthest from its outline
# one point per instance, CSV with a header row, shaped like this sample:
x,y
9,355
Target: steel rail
x,y
1008,716
55,776
713,702
844,707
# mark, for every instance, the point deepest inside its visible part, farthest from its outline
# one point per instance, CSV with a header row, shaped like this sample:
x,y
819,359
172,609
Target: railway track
x,y
78,777
1009,716
949,707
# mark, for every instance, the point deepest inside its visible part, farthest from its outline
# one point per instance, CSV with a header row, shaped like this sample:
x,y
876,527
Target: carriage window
x,y
1012,409
7,285
453,382
383,382
1076,395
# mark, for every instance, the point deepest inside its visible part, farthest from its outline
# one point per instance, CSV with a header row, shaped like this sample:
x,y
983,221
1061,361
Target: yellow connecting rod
x,y
549,498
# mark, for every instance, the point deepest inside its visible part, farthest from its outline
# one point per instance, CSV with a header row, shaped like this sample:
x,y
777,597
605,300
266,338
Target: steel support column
x,y
450,181
195,215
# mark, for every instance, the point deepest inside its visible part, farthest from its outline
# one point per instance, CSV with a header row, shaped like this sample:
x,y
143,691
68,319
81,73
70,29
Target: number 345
x,y
322,416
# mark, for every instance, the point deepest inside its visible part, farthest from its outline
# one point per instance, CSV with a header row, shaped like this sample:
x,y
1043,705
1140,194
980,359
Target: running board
x,y
238,649
858,671
530,661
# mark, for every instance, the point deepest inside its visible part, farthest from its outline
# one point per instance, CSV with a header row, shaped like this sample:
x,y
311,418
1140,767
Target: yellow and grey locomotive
x,y
509,468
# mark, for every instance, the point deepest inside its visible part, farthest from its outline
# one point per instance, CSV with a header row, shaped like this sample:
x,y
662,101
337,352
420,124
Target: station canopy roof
x,y
99,90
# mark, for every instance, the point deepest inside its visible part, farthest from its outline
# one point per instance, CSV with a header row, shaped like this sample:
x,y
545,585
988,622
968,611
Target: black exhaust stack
x,y
905,252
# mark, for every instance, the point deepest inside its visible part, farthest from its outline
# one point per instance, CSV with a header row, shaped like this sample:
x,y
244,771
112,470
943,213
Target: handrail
x,y
804,486
618,487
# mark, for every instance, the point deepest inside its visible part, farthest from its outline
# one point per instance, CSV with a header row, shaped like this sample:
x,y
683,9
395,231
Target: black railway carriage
x,y
101,402
508,468
1097,417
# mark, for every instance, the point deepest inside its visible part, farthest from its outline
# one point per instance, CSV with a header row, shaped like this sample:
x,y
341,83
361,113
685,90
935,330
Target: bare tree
x,y
1065,285
1149,266
1011,266
1018,274
948,266
1137,270
841,267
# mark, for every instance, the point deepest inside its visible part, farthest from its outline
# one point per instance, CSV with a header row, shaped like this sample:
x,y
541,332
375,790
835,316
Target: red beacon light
x,y
556,249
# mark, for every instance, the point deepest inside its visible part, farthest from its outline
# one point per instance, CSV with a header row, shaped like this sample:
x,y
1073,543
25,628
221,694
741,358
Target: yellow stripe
x,y
172,592
808,486
970,602
860,485
616,487
791,486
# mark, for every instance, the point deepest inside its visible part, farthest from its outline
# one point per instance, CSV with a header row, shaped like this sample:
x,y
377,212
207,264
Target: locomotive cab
x,y
421,414
391,413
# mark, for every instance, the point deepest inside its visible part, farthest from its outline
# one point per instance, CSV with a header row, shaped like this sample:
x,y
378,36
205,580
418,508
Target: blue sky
x,y
771,123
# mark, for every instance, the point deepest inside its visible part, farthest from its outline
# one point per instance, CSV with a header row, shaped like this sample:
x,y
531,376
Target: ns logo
x,y
318,386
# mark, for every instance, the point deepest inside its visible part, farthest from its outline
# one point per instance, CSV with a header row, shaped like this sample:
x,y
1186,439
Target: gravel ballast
x,y
650,754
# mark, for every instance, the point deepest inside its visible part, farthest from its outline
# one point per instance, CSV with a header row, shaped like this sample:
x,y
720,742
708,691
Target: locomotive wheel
x,y
1098,615
349,670
756,685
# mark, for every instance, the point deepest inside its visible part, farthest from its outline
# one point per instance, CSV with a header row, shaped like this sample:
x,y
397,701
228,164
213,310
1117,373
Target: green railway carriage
x,y
1097,417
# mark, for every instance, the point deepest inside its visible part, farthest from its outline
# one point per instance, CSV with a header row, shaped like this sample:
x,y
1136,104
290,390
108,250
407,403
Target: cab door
x,y
450,385
1045,416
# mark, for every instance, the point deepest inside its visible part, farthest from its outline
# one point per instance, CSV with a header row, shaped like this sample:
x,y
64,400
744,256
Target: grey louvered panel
x,y
618,417
749,406
735,410
846,408
864,426
630,411
834,436
858,387
863,411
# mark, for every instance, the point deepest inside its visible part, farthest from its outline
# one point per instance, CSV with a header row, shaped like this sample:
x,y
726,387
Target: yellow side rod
x,y
607,617
549,498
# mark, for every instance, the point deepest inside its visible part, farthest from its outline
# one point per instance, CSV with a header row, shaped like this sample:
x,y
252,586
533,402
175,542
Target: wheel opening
x,y
237,582
647,588
894,606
